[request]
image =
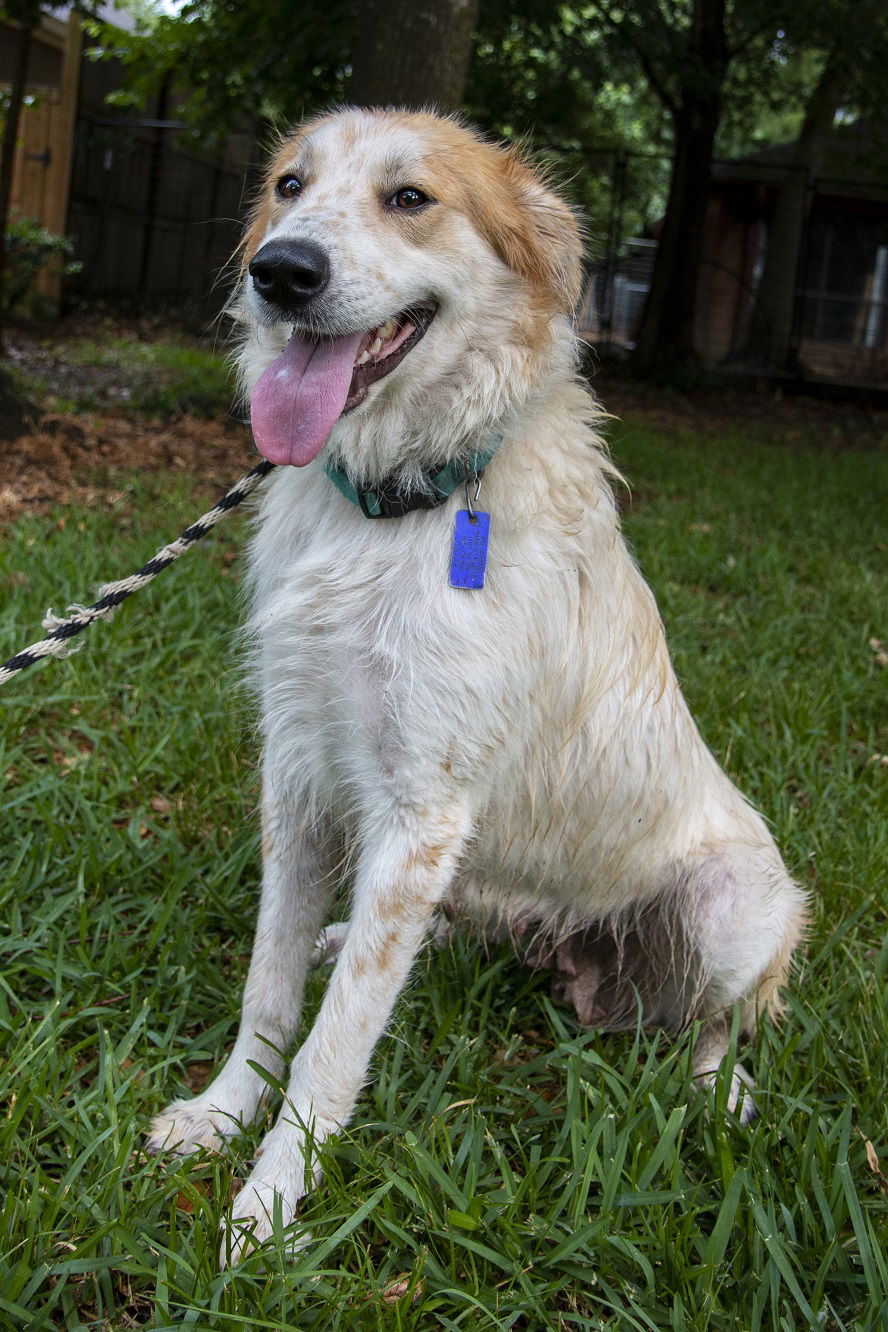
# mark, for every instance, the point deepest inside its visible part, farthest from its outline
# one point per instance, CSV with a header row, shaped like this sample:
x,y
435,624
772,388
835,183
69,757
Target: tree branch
x,y
628,33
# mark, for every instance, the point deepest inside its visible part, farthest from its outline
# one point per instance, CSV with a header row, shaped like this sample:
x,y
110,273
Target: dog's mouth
x,y
302,394
385,347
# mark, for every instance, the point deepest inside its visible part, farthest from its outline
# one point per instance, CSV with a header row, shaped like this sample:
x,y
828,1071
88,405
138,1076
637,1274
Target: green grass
x,y
166,376
160,377
508,1169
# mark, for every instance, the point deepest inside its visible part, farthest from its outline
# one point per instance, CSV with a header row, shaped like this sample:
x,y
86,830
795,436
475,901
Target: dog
x,y
468,706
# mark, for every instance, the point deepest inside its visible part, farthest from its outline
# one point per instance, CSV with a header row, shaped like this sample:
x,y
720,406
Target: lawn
x,y
505,1169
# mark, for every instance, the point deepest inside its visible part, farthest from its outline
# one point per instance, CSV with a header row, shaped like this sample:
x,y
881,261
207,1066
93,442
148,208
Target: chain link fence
x,y
155,223
840,310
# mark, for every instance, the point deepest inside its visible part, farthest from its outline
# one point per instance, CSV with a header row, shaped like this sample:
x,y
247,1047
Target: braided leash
x,y
56,643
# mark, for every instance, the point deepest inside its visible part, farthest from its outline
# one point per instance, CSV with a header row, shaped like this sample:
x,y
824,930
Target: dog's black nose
x,y
289,274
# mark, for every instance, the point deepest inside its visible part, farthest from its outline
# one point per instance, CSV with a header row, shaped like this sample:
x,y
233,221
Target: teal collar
x,y
389,500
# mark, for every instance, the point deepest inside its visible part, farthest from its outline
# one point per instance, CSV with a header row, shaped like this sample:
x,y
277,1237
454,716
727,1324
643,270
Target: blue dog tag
x,y
469,557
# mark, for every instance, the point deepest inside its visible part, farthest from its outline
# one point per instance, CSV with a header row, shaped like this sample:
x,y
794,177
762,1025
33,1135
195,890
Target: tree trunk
x,y
665,344
769,342
9,143
413,53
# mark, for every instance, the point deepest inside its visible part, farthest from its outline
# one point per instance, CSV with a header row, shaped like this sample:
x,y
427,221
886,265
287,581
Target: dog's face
x,y
406,255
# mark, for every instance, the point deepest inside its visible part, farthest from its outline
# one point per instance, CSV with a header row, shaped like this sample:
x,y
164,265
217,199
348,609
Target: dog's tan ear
x,y
557,245
532,230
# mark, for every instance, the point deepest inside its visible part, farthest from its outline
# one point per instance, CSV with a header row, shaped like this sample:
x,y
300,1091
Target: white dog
x,y
517,753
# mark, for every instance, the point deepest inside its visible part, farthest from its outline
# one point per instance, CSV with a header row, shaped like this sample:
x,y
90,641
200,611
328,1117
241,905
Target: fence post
x,y
155,173
57,197
802,259
605,304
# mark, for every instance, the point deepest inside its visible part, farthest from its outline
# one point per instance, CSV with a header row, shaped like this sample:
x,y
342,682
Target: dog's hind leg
x,y
328,944
297,882
710,1049
405,868
744,918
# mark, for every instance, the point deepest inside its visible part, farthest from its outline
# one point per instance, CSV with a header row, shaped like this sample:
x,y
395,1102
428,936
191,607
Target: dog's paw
x,y
741,1097
328,944
186,1126
286,1170
741,1094
257,1209
251,1221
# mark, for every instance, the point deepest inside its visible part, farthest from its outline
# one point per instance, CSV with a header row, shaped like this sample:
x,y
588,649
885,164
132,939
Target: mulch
x,y
51,460
772,412
77,460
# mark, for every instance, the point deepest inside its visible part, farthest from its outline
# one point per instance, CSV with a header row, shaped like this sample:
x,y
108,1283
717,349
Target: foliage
x,y
587,81
505,1169
25,12
29,248
587,117
234,63
546,69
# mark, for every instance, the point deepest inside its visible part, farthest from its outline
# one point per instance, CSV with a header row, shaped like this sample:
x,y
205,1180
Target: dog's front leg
x,y
404,870
297,881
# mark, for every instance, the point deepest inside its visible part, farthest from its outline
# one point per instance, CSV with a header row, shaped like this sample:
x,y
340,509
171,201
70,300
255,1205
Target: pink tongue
x,y
300,397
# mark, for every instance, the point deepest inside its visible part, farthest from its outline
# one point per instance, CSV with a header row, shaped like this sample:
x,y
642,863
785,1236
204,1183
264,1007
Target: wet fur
x,y
520,757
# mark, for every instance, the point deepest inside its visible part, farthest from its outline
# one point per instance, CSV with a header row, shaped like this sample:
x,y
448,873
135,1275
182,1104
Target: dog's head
x,y
416,275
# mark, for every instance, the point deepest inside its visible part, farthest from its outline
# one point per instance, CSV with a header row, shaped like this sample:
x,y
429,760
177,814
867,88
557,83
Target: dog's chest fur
x,y
380,680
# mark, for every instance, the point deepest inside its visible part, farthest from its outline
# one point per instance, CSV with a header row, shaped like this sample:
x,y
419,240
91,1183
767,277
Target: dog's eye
x,y
288,187
409,197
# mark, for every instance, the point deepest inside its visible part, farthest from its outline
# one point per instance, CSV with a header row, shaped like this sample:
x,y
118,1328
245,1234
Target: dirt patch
x,y
768,411
52,454
77,459
57,457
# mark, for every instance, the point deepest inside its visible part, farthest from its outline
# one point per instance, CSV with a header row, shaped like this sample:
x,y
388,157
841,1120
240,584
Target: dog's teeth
x,y
363,358
376,345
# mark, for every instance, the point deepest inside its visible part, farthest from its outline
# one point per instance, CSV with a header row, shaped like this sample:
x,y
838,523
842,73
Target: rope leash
x,y
56,643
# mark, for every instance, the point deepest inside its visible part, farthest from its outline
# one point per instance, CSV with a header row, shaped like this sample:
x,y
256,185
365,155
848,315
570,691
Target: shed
x,y
841,309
